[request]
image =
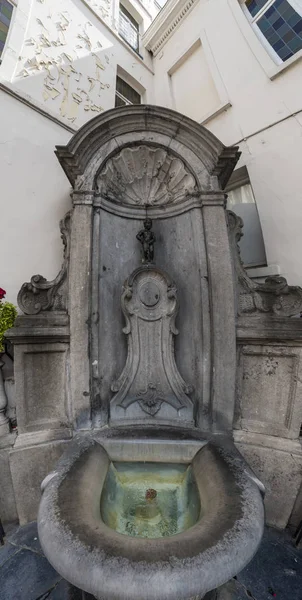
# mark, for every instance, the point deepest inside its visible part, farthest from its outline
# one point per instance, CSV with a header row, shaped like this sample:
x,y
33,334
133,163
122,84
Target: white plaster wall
x,y
34,195
240,68
195,62
68,56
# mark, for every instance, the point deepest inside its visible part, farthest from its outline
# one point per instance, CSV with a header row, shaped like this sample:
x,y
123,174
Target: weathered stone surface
x,y
274,296
114,260
8,510
269,390
222,310
41,386
83,147
278,464
29,466
150,384
9,386
80,314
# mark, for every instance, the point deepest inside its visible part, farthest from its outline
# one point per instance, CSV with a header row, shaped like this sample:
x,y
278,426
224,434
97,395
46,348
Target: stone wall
x,y
268,412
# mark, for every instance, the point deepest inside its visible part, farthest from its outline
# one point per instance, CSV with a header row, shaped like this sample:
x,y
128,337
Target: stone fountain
x,y
134,349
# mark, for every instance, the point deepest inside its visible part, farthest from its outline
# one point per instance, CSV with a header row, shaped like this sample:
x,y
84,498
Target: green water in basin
x,y
150,500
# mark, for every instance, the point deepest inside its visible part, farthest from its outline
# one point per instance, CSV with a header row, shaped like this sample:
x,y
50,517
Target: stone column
x,y
222,312
79,307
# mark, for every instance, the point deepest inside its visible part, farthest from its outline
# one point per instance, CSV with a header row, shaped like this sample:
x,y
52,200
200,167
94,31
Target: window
x,y
278,23
128,28
6,10
125,94
241,200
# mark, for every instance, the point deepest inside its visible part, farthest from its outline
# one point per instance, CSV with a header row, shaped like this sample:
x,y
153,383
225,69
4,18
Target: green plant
x,y
8,313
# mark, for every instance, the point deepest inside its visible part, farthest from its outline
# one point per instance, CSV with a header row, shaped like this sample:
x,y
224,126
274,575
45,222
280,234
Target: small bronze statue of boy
x,y
147,239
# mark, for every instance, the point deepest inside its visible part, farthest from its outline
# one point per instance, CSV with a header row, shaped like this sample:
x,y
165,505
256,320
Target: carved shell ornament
x,y
144,175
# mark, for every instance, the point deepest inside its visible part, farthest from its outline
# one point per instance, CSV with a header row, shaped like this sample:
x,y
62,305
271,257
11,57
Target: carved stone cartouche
x,y
150,378
39,294
274,296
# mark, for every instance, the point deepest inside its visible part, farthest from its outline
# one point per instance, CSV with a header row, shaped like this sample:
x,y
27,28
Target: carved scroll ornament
x,y
273,296
144,175
150,378
42,295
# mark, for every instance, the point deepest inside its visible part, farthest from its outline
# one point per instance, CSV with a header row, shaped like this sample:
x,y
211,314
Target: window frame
x,y
13,3
253,22
239,178
121,96
133,22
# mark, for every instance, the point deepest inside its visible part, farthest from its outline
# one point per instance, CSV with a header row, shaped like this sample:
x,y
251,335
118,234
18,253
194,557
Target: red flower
x,y
2,293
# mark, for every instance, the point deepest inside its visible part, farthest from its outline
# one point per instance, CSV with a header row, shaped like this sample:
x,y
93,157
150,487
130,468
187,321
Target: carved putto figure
x,y
147,238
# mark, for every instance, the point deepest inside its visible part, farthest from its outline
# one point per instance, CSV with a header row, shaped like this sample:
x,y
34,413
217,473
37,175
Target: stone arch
x,y
106,133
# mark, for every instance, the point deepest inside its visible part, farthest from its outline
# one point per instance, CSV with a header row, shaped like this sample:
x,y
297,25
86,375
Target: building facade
x,y
233,66
208,60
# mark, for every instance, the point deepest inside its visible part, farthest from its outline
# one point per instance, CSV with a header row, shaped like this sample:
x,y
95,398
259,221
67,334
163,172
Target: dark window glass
x,y
125,94
242,202
281,25
129,28
255,5
6,11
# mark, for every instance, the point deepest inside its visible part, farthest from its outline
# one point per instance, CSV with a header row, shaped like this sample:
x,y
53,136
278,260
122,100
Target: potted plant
x,y
8,313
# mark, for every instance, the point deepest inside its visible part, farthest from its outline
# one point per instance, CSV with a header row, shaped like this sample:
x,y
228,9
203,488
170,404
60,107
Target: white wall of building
x,y
236,89
34,194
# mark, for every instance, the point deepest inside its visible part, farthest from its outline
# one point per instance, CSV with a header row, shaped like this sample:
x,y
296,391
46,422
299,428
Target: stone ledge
x,y
268,441
35,329
35,438
259,328
38,335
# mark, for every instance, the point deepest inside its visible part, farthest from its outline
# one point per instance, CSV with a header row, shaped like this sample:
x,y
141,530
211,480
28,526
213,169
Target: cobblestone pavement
x,y
25,573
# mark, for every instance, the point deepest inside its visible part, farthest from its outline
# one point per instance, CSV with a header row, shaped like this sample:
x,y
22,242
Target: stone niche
x,y
127,165
233,346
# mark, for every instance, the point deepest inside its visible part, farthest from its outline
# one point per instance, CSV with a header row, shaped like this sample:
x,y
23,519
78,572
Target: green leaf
x,y
8,313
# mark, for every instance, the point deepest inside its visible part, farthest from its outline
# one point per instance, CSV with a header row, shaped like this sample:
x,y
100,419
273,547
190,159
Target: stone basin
x,y
104,526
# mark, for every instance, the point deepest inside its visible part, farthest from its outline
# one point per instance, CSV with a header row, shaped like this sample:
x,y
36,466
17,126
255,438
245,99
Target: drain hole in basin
x,y
150,500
